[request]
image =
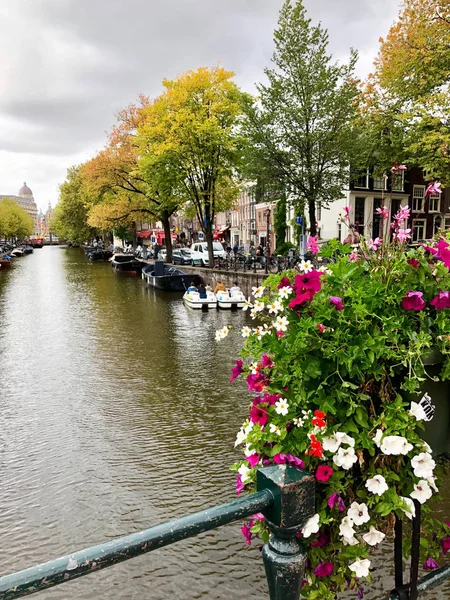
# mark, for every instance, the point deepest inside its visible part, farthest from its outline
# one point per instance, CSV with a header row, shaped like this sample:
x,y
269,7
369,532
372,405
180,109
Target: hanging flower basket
x,y
336,364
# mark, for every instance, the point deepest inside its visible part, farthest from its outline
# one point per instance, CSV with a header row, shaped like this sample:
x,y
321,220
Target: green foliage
x,y
70,216
300,128
332,369
15,222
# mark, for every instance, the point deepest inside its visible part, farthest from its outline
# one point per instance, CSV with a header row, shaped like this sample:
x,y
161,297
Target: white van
x,y
199,253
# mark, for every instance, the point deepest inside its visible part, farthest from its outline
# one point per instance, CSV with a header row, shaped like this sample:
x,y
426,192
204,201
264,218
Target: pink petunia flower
x,y
430,564
414,263
334,500
413,301
285,282
337,302
236,371
442,300
245,530
266,361
288,459
257,383
323,473
443,252
239,485
324,569
258,414
321,540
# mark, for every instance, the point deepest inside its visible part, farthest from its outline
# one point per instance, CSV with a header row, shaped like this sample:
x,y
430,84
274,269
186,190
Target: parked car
x,y
181,256
199,253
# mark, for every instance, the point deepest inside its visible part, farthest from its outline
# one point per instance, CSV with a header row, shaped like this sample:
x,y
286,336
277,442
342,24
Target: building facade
x,y
26,201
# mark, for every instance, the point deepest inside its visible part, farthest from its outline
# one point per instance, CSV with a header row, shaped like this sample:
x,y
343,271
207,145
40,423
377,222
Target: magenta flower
x,y
323,473
445,543
266,361
285,282
245,530
442,300
334,500
383,212
257,383
413,301
271,399
433,188
239,485
414,263
360,592
288,459
312,244
375,244
403,214
321,540
430,564
323,569
347,210
337,302
236,371
258,414
253,459
443,254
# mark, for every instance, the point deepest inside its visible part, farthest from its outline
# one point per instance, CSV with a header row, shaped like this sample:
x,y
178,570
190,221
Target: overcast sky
x,y
68,66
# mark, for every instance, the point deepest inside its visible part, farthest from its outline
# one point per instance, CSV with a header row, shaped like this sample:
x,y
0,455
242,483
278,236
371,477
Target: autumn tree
x,y
123,195
191,133
408,95
15,222
70,217
300,127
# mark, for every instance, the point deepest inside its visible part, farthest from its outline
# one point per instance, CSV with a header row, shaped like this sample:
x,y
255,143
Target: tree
x,y
70,216
301,125
191,134
410,87
122,193
15,222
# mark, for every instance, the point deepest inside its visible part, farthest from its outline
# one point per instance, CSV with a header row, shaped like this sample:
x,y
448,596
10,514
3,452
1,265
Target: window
x,y
395,206
319,211
434,203
361,180
360,204
379,181
447,223
418,232
398,181
417,198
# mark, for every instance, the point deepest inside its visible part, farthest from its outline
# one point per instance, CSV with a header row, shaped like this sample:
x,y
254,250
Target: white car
x,y
199,253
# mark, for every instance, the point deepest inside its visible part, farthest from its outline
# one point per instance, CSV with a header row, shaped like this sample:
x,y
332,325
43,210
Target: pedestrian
x,y
235,250
202,291
219,287
235,287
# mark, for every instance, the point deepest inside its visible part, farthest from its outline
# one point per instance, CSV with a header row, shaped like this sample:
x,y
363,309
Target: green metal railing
x,y
284,495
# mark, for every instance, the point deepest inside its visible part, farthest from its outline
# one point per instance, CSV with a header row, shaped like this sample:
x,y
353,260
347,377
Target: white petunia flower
x,y
358,513
305,266
377,485
360,567
246,332
395,445
241,437
423,465
417,411
377,438
274,429
275,307
410,512
258,292
244,472
298,422
432,483
346,528
248,451
345,458
285,292
258,306
422,491
373,537
427,447
311,526
352,541
332,443
282,407
281,323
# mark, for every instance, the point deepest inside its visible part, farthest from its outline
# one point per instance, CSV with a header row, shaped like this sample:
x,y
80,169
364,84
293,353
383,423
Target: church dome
x,y
25,190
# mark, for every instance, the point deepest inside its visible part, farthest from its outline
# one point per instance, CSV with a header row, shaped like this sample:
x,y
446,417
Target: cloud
x,y
68,66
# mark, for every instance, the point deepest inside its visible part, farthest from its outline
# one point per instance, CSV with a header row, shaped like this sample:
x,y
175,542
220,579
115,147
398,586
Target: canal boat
x,y
230,300
98,255
126,263
167,278
5,261
27,249
17,252
193,300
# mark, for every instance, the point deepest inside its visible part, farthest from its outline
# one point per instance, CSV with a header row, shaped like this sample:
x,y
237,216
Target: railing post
x,y
284,557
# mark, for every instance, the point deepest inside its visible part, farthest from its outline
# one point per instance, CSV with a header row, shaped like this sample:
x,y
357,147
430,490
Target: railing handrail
x,y
89,560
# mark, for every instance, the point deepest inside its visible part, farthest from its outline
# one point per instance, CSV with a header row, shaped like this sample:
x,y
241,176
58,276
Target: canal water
x,y
115,415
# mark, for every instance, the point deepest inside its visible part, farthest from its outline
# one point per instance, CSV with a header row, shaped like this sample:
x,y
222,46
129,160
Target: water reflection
x,y
116,414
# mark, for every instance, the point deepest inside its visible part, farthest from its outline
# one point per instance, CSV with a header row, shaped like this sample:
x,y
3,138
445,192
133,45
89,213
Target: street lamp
x,y
267,213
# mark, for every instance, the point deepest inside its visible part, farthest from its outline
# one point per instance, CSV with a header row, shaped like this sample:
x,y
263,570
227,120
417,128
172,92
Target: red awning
x,y
143,234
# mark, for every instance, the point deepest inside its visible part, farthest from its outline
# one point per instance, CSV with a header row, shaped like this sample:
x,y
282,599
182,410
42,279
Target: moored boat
x,y
99,255
193,300
230,299
5,261
126,263
17,252
27,249
170,279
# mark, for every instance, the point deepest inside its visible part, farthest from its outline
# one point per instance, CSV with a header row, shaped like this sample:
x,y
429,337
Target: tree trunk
x,y
166,225
312,217
207,228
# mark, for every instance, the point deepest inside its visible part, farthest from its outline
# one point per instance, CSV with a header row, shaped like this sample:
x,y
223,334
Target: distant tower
x,y
27,202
